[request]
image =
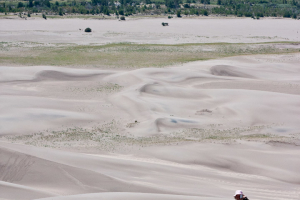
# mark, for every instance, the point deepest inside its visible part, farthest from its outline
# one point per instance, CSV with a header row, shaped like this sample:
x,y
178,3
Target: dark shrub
x,y
20,5
30,5
287,15
60,12
88,30
248,14
294,16
122,18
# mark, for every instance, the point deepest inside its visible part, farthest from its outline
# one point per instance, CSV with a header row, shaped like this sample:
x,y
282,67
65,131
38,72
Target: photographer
x,y
239,195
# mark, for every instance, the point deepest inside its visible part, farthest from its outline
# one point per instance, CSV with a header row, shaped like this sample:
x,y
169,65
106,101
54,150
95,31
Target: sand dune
x,y
199,130
162,101
194,170
55,178
11,74
15,191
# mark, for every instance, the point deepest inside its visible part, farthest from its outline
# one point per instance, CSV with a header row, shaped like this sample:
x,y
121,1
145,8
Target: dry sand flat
x,y
238,30
199,130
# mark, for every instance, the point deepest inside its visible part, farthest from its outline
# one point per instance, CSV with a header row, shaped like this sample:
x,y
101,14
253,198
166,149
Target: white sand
x,y
238,93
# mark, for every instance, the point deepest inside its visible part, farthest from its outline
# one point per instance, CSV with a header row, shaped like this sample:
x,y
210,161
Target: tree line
x,y
240,8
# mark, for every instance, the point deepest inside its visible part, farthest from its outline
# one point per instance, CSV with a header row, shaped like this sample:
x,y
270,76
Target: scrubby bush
x,y
178,13
88,30
60,12
30,4
287,14
122,18
20,5
294,16
248,14
44,16
170,17
186,5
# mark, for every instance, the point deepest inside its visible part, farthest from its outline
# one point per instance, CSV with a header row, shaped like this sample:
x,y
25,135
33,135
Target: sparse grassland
x,y
106,88
109,137
126,55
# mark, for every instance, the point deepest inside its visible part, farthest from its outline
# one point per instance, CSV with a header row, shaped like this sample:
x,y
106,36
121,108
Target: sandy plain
x,y
184,130
234,30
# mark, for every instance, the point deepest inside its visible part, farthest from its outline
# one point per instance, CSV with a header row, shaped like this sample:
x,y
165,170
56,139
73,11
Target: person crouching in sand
x,y
239,195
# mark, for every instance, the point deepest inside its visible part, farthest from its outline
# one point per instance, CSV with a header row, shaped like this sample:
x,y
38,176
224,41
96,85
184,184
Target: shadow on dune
x,y
226,70
172,123
51,75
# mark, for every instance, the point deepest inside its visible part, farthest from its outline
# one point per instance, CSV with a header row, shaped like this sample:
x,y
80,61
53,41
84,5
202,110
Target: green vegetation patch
x,y
126,55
